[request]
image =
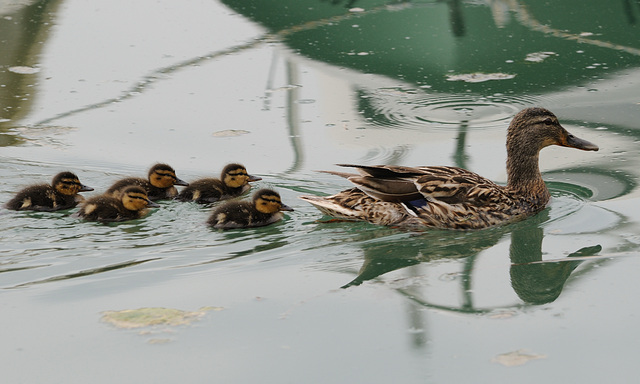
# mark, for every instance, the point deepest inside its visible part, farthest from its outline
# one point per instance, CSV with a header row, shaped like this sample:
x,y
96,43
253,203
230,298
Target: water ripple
x,y
393,107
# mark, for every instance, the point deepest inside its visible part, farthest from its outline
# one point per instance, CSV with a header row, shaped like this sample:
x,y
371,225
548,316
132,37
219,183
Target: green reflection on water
x,y
423,42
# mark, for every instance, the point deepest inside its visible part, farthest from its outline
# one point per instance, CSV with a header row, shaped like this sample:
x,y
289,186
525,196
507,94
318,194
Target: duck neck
x,y
523,173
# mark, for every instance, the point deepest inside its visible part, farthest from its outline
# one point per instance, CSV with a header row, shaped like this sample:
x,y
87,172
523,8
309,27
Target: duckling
x,y
233,182
61,194
451,197
160,184
132,204
264,209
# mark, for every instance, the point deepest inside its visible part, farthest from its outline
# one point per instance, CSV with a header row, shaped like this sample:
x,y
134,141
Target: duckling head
x,y
163,176
135,198
268,201
236,176
67,183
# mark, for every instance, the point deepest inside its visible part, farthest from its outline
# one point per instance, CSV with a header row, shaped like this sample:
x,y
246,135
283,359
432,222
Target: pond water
x,y
106,89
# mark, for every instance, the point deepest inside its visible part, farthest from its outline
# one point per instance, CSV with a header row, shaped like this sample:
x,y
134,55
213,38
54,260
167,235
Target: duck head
x,y
67,183
163,176
268,201
531,130
135,198
535,128
236,176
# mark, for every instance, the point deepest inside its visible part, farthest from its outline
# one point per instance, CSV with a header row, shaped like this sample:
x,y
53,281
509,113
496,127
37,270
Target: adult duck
x,y
452,197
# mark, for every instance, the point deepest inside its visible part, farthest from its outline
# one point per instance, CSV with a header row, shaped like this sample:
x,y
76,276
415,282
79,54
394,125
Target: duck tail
x,y
331,208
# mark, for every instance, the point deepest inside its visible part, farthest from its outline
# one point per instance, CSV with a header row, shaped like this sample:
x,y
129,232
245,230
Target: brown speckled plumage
x,y
131,204
452,197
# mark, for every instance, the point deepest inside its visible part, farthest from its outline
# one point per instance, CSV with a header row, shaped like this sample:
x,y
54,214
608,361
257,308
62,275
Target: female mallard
x,y
451,197
131,204
61,194
233,182
159,185
265,208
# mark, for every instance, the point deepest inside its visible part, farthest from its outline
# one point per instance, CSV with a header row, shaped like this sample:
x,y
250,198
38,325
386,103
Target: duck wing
x,y
451,185
454,185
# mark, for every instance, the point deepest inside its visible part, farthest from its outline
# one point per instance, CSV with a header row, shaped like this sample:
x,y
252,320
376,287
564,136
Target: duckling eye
x,y
547,121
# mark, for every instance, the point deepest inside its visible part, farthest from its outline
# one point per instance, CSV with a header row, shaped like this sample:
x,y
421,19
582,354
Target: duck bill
x,y
152,204
180,182
285,207
578,143
254,178
85,188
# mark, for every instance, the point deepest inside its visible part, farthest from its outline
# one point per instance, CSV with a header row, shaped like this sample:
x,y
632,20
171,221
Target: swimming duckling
x,y
61,194
233,182
132,204
160,184
264,209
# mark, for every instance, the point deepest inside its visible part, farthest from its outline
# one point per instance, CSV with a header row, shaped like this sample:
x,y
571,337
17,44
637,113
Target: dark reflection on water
x,y
87,272
539,283
391,254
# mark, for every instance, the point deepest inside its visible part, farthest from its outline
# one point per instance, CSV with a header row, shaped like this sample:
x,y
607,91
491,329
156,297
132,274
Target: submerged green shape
x,y
145,317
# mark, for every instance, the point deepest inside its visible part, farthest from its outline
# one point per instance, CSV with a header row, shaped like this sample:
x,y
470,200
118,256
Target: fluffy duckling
x,y
265,208
61,194
233,182
132,204
160,184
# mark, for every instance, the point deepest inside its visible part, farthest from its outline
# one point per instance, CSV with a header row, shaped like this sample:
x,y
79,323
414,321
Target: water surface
x,y
287,88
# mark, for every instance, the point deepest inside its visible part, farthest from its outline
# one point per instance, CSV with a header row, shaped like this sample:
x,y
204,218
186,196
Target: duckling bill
x,y
159,184
61,194
265,208
451,197
131,204
233,182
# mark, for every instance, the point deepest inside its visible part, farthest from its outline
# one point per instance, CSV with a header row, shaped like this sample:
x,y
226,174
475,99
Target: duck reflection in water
x,y
532,279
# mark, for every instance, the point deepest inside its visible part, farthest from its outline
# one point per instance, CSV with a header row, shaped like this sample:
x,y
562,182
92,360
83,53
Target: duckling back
x,y
159,185
132,204
233,182
119,186
203,191
265,208
235,214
